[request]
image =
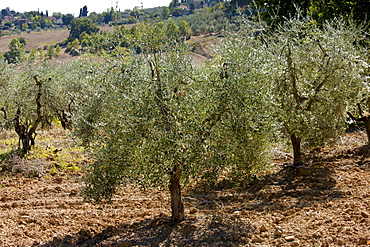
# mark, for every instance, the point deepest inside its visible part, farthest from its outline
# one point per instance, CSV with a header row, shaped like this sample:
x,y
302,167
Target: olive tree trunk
x,y
365,119
297,154
27,132
177,205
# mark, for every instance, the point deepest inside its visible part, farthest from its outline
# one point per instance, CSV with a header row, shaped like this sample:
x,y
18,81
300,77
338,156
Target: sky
x,y
73,6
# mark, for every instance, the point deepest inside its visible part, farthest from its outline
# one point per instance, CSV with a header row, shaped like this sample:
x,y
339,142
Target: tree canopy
x,y
16,50
67,19
277,11
79,26
314,72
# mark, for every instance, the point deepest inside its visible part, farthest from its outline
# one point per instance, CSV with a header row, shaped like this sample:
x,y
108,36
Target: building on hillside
x,y
53,19
59,22
185,9
9,19
20,21
15,20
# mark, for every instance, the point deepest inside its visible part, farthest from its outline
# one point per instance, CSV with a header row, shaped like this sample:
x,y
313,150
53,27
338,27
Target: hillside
x,y
202,47
324,203
36,39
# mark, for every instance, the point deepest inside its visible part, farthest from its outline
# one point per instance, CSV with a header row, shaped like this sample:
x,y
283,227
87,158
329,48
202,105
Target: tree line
x,y
213,16
84,37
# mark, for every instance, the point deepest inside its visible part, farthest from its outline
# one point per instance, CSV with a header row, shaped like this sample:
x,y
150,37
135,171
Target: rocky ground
x,y
324,203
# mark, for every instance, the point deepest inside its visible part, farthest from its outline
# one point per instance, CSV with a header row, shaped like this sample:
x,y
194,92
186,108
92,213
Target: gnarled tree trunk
x,y
27,132
177,206
296,143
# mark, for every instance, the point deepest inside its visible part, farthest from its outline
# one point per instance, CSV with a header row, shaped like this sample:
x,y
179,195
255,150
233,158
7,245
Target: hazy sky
x,y
73,6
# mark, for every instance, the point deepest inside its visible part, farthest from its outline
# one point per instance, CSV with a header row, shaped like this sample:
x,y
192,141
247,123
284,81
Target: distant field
x,y
40,39
202,47
36,39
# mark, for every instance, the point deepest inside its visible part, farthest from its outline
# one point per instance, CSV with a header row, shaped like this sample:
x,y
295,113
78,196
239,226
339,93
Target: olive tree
x,y
360,110
38,93
238,127
314,73
155,120
22,105
68,81
5,93
362,115
139,124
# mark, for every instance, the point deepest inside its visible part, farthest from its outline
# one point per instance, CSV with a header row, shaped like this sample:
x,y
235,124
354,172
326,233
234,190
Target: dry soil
x,y
326,202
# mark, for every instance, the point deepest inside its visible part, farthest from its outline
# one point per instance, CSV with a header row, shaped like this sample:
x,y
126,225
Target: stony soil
x,y
324,203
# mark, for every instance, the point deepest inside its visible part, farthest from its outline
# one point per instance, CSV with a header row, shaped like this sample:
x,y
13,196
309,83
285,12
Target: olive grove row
x,y
154,119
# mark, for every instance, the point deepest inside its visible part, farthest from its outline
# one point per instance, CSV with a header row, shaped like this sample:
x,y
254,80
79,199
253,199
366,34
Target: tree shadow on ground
x,y
290,188
217,216
219,231
159,226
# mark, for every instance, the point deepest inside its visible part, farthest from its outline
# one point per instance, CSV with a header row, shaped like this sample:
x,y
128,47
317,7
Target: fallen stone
x,y
278,231
193,211
225,184
235,237
289,238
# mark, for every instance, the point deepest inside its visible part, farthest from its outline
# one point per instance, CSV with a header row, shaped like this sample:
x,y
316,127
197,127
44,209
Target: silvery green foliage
x,y
239,142
149,113
143,114
310,74
5,93
59,86
139,122
25,105
19,90
317,72
68,82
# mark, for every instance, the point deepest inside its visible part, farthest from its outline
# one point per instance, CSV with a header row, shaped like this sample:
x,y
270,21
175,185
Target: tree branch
x,y
38,109
5,113
159,97
293,79
360,111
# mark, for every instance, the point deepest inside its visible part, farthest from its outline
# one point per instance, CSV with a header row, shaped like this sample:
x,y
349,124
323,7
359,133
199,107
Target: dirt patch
x,y
326,202
204,45
203,48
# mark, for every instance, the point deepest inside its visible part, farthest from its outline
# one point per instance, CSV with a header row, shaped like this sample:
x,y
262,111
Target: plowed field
x,y
324,203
